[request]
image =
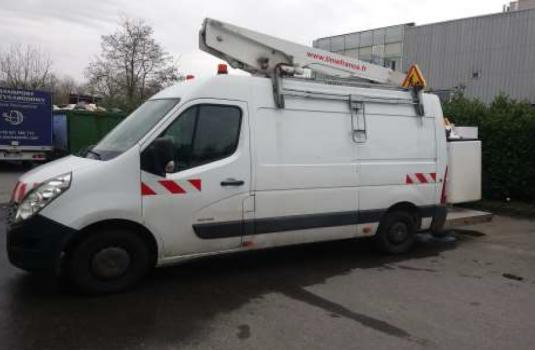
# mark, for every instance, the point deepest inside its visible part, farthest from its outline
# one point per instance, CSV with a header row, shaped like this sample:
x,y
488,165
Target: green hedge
x,y
507,132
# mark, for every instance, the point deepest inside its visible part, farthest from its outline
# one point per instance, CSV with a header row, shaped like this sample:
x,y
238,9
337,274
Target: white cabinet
x,y
464,171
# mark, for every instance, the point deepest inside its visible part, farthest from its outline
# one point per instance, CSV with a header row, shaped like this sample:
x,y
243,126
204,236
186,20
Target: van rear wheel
x,y
108,261
396,233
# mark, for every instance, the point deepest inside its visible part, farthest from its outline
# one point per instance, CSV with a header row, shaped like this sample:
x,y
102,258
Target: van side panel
x,y
398,161
304,173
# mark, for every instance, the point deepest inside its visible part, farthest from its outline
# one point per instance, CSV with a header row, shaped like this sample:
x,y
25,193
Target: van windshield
x,y
131,129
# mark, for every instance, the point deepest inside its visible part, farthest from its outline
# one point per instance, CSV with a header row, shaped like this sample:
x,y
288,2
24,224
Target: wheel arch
x,y
132,226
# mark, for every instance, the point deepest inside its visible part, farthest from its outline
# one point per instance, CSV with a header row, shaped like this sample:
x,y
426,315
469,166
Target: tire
x,y
108,261
441,233
396,233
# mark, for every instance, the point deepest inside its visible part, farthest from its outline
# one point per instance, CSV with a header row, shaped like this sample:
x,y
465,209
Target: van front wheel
x,y
396,233
108,261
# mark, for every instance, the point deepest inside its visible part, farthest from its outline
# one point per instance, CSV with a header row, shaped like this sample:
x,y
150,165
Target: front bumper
x,y
36,243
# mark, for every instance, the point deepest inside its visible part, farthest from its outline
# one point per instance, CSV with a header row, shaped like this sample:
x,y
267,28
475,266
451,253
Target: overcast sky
x,y
70,30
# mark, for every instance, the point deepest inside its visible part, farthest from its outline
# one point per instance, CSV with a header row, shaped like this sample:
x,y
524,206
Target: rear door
x,y
197,206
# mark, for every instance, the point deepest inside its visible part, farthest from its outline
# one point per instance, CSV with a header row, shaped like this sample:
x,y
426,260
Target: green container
x,y
74,131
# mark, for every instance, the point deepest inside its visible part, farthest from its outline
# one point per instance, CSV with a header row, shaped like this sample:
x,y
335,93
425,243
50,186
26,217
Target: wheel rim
x,y
110,263
398,233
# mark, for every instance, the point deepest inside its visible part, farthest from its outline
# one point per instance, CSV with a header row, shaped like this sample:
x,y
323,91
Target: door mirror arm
x,y
159,157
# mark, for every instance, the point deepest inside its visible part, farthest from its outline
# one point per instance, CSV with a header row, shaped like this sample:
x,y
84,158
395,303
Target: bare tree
x,y
63,87
131,67
25,67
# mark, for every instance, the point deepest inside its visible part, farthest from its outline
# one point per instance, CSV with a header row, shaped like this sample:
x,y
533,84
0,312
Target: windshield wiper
x,y
96,154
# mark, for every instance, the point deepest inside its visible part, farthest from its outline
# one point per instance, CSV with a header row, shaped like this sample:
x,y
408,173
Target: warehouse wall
x,y
487,54
526,4
382,46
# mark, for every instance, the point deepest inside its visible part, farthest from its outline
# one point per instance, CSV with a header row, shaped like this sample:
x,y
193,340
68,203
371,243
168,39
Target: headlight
x,y
39,197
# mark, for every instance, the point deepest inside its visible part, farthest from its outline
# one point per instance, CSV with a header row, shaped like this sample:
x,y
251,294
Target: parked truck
x,y
31,131
25,125
238,163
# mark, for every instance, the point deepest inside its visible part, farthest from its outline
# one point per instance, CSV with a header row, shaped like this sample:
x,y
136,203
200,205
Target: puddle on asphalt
x,y
471,233
513,277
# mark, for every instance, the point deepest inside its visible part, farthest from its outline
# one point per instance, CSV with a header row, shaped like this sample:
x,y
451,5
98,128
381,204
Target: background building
x,y
484,56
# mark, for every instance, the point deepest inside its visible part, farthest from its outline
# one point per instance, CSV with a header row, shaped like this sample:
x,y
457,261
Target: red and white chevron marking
x,y
20,190
420,178
166,186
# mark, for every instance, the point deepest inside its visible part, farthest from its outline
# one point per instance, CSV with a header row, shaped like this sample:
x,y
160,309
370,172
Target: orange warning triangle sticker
x,y
414,78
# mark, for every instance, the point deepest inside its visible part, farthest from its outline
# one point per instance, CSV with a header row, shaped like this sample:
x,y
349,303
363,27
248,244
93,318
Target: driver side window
x,y
202,134
181,133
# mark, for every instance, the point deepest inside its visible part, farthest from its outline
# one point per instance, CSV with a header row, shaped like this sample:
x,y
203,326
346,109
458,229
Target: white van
x,y
212,166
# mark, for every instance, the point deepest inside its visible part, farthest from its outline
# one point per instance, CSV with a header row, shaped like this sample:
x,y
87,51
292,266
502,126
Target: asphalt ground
x,y
476,292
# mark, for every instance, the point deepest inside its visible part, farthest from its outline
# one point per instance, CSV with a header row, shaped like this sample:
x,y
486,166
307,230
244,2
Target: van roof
x,y
218,86
240,87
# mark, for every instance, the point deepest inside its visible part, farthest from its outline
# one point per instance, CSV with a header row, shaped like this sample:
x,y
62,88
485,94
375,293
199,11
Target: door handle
x,y
232,182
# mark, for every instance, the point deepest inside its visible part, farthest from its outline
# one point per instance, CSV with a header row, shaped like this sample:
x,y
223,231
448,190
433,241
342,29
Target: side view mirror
x,y
170,166
159,157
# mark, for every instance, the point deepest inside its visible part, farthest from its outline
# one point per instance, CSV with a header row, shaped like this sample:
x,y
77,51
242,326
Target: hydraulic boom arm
x,y
261,54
